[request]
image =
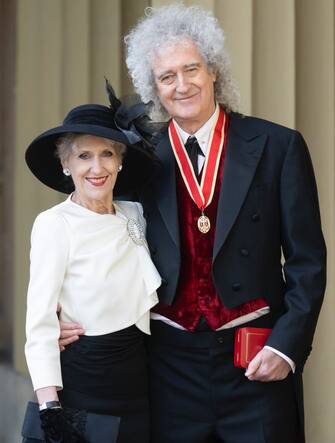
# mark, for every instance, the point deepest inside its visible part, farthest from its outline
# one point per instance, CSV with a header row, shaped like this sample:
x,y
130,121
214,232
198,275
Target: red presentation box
x,y
248,342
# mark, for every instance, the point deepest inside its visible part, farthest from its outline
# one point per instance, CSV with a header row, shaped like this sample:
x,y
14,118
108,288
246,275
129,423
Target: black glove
x,y
58,429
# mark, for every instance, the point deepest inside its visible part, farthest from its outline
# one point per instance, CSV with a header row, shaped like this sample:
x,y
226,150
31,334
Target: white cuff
x,y
285,357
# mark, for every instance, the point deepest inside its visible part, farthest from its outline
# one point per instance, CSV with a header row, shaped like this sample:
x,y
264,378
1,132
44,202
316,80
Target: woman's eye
x,y
84,156
108,153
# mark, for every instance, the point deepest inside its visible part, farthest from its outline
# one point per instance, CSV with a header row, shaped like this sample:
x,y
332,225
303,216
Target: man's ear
x,y
213,73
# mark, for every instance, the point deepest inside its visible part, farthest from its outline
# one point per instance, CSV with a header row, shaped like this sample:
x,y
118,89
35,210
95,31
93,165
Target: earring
x,y
66,172
120,168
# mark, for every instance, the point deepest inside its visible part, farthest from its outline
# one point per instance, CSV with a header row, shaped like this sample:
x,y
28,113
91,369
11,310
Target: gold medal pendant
x,y
202,193
204,224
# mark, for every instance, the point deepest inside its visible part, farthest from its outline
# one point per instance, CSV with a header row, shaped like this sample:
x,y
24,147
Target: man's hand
x,y
69,332
267,366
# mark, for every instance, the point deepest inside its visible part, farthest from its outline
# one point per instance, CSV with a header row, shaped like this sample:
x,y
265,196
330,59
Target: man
x,y
220,212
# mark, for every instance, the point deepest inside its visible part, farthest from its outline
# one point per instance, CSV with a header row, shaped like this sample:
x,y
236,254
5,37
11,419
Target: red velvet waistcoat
x,y
196,295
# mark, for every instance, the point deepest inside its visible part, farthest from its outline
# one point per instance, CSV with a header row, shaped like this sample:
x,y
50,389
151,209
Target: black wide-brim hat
x,y
91,119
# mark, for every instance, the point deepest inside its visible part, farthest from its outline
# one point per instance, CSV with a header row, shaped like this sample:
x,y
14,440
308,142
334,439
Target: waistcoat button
x,y
236,286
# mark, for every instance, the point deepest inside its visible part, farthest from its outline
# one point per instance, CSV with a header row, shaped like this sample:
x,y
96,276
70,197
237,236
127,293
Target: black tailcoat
x,y
268,206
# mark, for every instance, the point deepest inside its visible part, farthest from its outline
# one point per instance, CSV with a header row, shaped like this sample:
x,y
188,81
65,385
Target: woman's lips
x,y
97,181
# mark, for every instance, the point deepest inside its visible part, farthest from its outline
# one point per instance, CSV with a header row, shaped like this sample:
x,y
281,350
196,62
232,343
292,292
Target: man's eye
x,y
192,70
167,79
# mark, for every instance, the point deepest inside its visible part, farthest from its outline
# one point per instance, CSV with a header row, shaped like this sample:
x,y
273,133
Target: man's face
x,y
184,84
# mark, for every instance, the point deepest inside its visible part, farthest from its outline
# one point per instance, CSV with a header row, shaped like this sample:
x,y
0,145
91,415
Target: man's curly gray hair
x,y
167,25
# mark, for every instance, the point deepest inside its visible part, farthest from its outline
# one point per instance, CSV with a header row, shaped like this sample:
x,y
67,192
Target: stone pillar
x,y
237,21
315,118
273,74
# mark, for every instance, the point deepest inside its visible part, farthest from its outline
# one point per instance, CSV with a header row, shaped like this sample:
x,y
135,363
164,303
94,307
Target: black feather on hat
x,y
133,120
101,121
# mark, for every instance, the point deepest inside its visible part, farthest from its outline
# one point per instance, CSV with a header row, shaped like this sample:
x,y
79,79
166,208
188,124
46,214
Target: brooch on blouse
x,y
136,232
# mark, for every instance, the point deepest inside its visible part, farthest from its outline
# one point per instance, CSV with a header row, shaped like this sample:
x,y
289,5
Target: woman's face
x,y
93,163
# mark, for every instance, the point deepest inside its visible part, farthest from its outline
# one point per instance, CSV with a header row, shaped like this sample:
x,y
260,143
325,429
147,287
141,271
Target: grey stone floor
x,y
15,391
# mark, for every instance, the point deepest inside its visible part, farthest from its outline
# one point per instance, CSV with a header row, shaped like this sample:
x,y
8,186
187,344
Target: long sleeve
x,y
305,255
48,262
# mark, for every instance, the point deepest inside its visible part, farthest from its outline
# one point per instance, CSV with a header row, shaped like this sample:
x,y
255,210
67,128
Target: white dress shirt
x,y
203,136
88,263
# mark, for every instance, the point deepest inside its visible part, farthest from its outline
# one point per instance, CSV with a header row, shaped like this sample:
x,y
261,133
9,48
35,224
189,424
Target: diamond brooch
x,y
136,232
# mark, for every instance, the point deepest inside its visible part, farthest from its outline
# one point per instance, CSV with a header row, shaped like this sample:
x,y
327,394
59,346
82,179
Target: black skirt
x,y
106,374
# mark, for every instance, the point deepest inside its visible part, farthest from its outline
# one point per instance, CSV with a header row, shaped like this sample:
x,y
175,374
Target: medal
x,y
202,193
204,224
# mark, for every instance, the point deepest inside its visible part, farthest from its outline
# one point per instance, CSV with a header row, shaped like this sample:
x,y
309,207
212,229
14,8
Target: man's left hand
x,y
267,366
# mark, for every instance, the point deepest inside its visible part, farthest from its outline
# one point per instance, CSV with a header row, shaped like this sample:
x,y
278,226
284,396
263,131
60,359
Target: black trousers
x,y
198,396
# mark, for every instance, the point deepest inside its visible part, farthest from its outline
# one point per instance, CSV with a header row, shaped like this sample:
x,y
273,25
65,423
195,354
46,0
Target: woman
x,y
89,254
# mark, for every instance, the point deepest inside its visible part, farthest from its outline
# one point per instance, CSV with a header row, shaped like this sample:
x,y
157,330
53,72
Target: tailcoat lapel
x,y
243,154
244,150
166,188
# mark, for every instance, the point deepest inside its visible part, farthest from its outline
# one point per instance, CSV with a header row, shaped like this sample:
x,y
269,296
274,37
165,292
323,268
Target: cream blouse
x,y
97,266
